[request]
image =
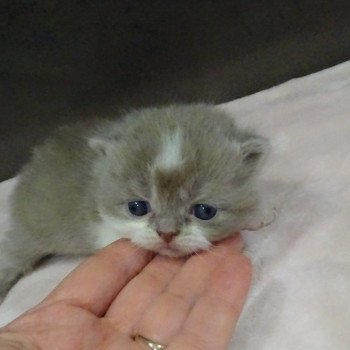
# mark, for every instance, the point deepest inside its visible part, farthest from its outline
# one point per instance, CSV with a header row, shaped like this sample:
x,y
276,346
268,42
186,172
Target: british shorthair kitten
x,y
171,180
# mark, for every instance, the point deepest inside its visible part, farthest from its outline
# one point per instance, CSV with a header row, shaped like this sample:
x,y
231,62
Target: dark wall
x,y
63,60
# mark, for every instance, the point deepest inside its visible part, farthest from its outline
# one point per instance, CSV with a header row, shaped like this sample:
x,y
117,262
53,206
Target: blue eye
x,y
204,211
139,208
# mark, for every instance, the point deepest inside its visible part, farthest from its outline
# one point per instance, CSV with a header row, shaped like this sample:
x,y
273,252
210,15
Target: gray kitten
x,y
172,180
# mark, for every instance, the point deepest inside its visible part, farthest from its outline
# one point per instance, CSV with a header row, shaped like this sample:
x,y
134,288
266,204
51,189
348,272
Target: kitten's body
x,y
72,197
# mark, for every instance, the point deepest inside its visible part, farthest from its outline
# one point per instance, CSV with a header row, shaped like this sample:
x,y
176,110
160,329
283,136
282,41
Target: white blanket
x,y
301,293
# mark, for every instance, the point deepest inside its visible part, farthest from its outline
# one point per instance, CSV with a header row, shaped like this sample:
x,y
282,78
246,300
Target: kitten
x,y
171,179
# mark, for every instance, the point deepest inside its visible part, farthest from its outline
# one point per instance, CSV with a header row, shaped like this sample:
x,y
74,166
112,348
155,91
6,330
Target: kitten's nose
x,y
167,236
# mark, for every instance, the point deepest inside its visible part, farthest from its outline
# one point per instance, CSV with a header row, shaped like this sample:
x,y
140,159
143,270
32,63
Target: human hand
x,y
123,291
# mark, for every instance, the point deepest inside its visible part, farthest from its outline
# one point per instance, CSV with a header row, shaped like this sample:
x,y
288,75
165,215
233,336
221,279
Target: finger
x,y
136,297
165,317
95,283
212,320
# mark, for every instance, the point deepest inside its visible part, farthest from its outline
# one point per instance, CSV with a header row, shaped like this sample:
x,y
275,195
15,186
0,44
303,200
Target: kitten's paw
x,y
262,220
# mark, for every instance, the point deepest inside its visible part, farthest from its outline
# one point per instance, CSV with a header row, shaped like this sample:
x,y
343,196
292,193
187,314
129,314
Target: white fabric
x,y
301,293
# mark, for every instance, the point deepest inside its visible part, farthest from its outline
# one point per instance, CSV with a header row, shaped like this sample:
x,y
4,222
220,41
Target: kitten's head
x,y
175,179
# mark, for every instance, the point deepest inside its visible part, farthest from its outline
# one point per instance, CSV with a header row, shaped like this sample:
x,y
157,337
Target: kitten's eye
x,y
204,211
139,208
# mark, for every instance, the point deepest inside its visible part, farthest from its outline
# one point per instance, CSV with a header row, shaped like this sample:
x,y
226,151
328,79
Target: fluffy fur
x,y
72,197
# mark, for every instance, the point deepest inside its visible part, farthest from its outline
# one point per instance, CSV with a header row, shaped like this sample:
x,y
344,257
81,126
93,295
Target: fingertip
x,y
234,242
232,279
96,282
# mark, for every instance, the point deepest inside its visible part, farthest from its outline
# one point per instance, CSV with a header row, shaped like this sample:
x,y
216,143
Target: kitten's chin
x,y
178,248
179,252
172,252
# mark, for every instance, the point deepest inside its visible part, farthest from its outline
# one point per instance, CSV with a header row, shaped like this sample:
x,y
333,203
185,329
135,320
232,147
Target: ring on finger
x,y
151,344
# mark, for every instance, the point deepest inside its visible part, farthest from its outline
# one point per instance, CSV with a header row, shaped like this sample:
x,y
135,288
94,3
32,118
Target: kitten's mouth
x,y
171,251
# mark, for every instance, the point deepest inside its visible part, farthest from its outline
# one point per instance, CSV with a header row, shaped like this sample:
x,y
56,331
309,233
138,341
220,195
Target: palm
x,y
123,291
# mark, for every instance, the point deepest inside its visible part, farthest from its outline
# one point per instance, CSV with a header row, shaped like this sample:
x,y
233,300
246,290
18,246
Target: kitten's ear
x,y
253,149
100,145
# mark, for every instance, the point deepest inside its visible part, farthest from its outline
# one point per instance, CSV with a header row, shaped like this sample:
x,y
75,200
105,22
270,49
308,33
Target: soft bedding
x,y
300,297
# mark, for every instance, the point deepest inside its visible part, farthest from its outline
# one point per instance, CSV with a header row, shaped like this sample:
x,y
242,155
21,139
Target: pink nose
x,y
167,236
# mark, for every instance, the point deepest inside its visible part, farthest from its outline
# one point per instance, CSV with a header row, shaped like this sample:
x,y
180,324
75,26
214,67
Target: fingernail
x,y
237,241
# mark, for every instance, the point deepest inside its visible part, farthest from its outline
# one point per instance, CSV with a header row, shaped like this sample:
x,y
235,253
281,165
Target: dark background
x,y
65,60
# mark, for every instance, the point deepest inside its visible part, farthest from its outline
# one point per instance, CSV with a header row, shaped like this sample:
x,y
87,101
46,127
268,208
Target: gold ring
x,y
151,344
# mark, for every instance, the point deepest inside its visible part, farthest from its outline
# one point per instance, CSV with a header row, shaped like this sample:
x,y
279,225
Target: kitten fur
x,y
72,197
